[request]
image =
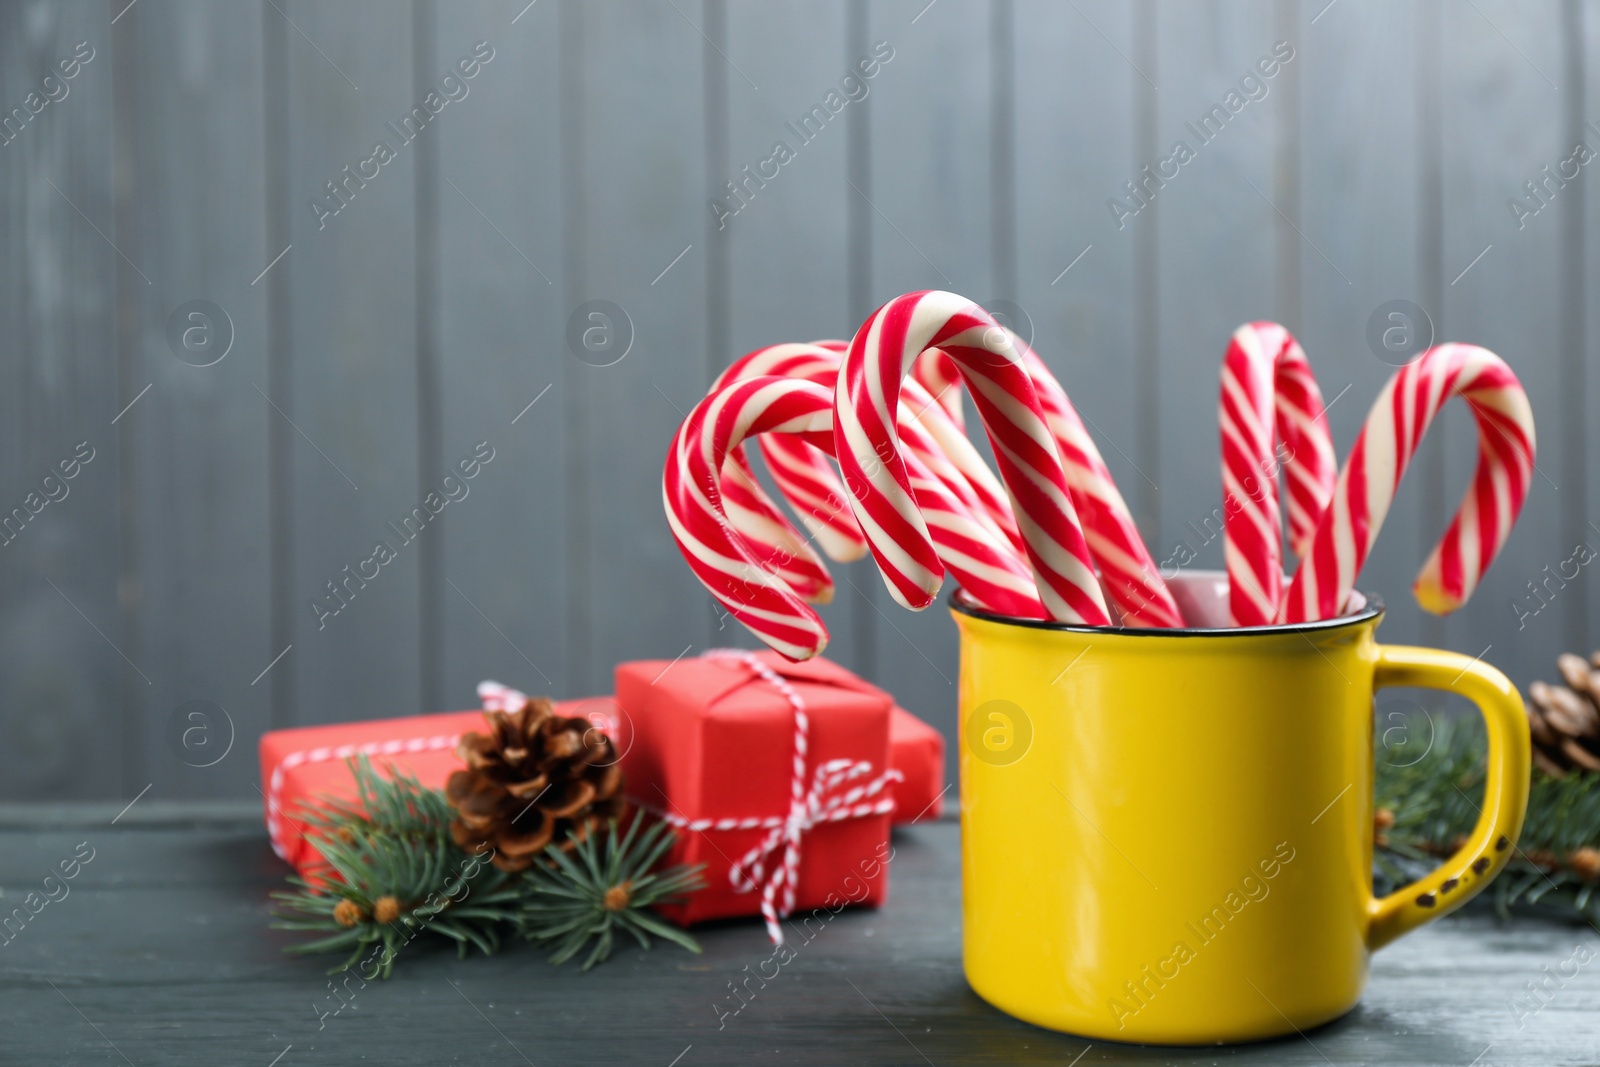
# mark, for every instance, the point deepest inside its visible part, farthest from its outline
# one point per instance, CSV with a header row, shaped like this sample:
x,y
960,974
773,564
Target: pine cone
x,y
531,779
1565,719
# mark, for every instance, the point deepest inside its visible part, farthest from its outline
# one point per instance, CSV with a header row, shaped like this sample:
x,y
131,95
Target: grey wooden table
x,y
160,954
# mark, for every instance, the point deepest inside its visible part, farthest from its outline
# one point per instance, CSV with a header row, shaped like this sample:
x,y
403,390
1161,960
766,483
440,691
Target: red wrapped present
x,y
308,763
775,774
916,750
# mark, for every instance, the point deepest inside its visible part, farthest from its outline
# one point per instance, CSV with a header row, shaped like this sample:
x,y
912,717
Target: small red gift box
x,y
916,750
306,764
774,773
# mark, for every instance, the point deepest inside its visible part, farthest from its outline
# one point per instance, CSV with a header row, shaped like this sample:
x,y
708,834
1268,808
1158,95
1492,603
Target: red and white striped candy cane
x,y
933,394
989,567
803,473
938,374
867,399
781,548
1269,399
964,457
1367,483
1128,571
739,570
807,479
721,556
1130,574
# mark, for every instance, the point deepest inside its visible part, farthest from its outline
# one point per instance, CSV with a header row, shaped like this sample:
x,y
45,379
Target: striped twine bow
x,y
822,802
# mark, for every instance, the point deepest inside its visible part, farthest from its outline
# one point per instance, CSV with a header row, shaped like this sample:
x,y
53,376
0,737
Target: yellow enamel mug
x,y
1166,835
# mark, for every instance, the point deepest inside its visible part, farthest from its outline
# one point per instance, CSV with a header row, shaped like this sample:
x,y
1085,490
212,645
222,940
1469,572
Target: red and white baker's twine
x,y
276,817
495,697
773,865
1269,399
1378,460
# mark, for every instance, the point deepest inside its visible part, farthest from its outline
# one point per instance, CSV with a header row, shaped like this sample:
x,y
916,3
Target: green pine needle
x,y
1435,800
393,841
607,888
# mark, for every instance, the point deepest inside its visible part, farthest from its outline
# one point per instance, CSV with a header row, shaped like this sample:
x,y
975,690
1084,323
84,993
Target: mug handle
x,y
1505,790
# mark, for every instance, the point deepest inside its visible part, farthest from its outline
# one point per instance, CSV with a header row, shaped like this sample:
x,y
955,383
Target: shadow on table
x,y
965,1028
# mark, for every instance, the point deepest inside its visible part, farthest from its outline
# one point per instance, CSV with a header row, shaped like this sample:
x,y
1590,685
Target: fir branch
x,y
1435,802
391,871
606,890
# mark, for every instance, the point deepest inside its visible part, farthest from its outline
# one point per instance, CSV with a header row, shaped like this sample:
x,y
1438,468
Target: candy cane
x,y
990,568
739,570
1367,483
779,545
803,473
806,478
1131,577
721,556
867,398
1269,399
938,374
963,455
927,434
940,413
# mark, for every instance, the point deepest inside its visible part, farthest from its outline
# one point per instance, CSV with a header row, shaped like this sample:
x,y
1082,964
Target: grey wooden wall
x,y
386,341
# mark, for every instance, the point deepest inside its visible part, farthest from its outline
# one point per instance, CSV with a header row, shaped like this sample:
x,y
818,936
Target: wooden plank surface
x,y
503,596
60,562
416,322
1586,322
1501,103
1082,310
789,249
353,396
199,979
931,194
642,166
1362,155
1217,241
198,439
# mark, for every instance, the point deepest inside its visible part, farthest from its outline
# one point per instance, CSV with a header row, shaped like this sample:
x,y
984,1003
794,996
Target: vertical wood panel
x,y
574,191
427,313
60,731
643,163
1501,113
1361,153
502,345
1588,435
1576,370
1070,161
277,337
354,352
194,207
789,247
1217,242
427,285
931,229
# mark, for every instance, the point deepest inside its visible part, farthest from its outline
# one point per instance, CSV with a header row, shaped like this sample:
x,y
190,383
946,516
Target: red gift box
x,y
716,713
916,750
773,772
305,764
